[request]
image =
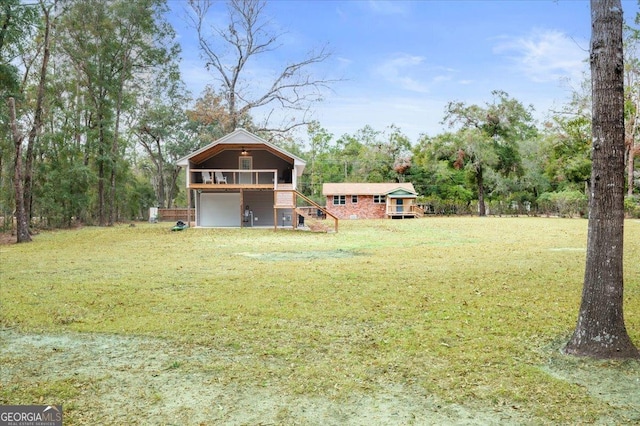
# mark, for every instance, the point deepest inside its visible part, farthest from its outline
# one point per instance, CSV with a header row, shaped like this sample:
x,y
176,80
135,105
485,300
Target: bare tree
x,y
601,332
39,108
22,228
229,51
22,189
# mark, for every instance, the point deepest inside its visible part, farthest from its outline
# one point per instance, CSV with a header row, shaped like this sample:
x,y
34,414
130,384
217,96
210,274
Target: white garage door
x,y
219,209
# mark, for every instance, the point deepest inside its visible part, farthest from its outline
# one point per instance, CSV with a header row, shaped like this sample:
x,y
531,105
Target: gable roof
x,y
405,188
240,138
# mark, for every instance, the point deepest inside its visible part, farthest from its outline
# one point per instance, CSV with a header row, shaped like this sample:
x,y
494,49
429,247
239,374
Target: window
x,y
245,163
354,199
339,200
379,199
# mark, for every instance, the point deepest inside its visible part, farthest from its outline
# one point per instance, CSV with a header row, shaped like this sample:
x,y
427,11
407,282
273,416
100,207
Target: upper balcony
x,y
236,179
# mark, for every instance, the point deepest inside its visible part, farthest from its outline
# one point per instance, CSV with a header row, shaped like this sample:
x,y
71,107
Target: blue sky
x,y
402,61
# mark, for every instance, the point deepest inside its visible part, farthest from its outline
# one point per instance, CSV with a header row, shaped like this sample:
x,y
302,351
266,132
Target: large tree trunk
x,y
601,331
22,224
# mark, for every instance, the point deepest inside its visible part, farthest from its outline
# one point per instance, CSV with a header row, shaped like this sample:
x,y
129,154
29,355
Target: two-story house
x,y
242,180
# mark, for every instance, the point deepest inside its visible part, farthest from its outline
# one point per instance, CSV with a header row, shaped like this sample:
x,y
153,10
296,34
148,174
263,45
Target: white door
x,y
219,210
245,163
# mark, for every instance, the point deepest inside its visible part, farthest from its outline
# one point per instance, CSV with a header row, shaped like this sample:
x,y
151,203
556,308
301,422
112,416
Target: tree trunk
x,y
600,331
154,150
22,224
101,173
175,173
162,190
482,211
112,211
113,216
633,151
37,120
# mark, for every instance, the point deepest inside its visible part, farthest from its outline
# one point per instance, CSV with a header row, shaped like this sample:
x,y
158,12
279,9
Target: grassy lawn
x,y
470,311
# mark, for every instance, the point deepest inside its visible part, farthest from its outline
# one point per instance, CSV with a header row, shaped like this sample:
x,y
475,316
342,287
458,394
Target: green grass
x,y
471,310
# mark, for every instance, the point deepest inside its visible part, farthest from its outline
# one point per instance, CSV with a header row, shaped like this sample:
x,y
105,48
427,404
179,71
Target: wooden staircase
x,y
320,222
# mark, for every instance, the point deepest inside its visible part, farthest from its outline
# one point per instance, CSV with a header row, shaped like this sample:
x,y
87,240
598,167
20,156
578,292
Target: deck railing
x,y
405,210
234,177
319,217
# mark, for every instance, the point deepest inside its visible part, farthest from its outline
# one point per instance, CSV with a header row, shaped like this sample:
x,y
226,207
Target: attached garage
x,y
242,180
219,209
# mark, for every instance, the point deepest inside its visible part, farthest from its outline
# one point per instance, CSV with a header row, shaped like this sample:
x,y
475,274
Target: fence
x,y
172,215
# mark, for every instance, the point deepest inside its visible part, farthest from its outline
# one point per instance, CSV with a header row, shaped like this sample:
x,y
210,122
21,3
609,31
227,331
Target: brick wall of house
x,y
363,209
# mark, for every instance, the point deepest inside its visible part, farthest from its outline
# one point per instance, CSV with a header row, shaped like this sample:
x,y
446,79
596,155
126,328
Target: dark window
x,y
339,200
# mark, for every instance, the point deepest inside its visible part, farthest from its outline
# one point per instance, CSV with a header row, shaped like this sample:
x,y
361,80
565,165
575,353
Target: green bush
x,y
567,203
435,205
632,206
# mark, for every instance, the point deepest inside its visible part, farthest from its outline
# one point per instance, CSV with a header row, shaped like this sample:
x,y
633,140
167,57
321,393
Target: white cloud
x,y
344,61
442,78
546,56
386,7
412,73
195,75
412,115
401,70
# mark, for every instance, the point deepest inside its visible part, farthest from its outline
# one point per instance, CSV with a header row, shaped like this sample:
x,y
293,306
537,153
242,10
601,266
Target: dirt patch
x,y
137,380
7,238
300,255
619,387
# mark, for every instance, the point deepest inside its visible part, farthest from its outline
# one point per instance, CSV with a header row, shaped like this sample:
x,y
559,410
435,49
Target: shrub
x,y
632,206
436,205
567,203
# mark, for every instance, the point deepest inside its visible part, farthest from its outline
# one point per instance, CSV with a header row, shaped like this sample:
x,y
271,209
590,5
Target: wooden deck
x,y
286,199
232,186
233,179
408,212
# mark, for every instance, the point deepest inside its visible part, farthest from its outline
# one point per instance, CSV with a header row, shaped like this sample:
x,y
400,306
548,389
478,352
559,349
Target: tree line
x,y
95,113
495,159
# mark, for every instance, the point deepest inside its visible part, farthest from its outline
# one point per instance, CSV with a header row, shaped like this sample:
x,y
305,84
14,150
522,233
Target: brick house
x,y
371,200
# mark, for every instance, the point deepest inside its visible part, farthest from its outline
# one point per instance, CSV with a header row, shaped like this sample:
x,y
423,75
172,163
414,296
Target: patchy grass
x,y
470,311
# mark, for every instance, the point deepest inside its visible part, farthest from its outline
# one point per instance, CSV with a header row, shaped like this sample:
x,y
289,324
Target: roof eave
x,y
297,161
